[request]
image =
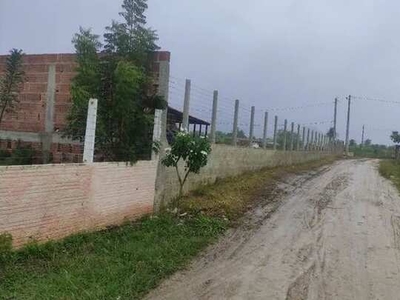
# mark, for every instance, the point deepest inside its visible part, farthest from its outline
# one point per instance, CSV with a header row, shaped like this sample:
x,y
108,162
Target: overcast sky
x,y
267,53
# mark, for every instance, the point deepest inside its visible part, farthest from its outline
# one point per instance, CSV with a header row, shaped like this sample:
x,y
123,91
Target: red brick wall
x,y
30,112
40,203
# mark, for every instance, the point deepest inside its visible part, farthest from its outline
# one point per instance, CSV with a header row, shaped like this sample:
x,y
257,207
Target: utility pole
x,y
362,136
335,119
348,126
235,123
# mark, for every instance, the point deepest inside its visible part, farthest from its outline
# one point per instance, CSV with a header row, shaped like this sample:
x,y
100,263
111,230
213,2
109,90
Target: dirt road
x,y
335,235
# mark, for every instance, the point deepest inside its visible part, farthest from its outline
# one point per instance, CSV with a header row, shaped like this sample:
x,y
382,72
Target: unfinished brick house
x,y
45,100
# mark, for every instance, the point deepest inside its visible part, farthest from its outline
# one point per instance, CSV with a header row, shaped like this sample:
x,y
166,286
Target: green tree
x,y
352,143
120,79
395,137
226,138
368,142
281,137
192,151
331,133
11,83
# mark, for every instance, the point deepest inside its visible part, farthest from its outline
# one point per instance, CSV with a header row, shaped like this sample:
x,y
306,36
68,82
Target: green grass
x,y
120,263
231,197
390,169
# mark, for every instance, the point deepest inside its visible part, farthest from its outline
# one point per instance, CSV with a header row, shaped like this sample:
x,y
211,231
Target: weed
x,y
390,169
123,262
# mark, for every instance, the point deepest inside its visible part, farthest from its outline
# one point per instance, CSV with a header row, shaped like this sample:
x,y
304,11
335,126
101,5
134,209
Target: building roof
x,y
176,116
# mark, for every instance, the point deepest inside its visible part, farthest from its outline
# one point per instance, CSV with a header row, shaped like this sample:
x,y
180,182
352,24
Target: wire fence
x,y
251,129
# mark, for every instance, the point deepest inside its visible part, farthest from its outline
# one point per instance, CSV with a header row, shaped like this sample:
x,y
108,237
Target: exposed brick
x,y
65,67
31,109
155,67
36,68
164,56
36,77
37,87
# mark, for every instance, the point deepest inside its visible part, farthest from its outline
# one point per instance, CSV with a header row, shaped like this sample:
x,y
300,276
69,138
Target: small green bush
x,y
5,243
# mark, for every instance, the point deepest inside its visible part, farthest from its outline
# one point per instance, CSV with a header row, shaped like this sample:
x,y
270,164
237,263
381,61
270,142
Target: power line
x,y
375,100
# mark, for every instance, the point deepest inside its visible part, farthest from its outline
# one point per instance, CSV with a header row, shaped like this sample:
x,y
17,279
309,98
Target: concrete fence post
x,y
90,133
163,91
251,133
321,143
186,104
46,138
284,135
308,139
235,123
264,141
317,139
312,140
275,131
214,117
304,139
157,131
291,137
298,138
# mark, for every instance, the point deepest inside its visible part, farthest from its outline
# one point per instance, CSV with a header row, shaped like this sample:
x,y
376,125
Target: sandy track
x,y
334,235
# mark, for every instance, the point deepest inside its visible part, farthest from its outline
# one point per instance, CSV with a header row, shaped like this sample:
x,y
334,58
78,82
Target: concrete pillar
x,y
304,139
163,91
284,136
46,137
291,136
320,141
264,142
157,131
315,140
214,117
298,138
235,123
308,139
312,140
251,133
186,105
90,133
275,131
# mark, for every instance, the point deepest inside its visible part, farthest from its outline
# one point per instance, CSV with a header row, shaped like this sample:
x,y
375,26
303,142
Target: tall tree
x,y
11,83
395,137
120,79
331,133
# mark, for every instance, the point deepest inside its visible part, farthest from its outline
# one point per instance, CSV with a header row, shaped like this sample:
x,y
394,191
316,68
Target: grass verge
x,y
120,263
127,261
231,197
390,169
